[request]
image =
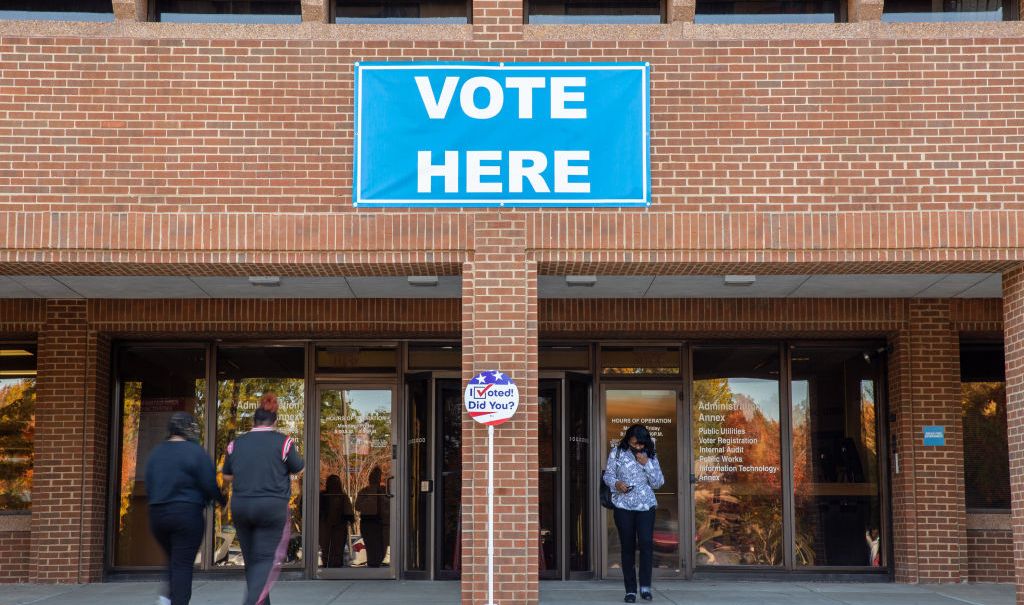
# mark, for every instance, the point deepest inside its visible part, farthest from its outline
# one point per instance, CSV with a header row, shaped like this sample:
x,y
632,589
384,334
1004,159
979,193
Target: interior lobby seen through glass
x,y
153,383
986,448
594,11
767,11
58,10
227,11
945,10
402,11
837,491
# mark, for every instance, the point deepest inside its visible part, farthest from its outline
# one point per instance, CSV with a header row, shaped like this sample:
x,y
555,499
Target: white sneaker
x,y
162,600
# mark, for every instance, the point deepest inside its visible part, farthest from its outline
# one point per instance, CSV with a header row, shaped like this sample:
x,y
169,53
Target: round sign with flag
x,y
491,398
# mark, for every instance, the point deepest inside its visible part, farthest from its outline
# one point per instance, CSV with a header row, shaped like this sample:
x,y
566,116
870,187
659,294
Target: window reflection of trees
x,y
237,399
353,442
17,430
739,516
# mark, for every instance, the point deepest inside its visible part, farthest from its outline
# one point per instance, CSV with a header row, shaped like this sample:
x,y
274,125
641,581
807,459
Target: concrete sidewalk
x,y
561,593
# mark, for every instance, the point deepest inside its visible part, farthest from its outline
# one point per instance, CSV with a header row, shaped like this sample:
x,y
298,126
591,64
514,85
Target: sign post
x,y
491,399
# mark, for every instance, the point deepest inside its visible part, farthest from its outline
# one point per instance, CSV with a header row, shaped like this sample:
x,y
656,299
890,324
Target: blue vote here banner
x,y
501,134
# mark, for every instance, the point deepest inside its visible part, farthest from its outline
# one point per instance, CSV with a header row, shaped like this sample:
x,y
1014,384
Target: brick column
x,y
131,10
864,10
64,507
929,510
499,298
1013,327
495,20
316,11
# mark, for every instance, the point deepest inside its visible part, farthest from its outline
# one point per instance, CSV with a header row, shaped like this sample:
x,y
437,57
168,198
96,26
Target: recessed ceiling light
x,y
265,281
740,280
422,281
586,281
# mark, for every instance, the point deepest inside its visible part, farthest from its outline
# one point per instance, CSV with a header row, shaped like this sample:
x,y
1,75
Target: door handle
x,y
387,489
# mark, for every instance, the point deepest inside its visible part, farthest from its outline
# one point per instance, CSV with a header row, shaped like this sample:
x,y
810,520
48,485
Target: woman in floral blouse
x,y
633,473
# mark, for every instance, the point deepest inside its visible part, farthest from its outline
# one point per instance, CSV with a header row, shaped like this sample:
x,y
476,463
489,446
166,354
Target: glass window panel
x,y
767,11
57,10
355,456
835,458
435,357
594,11
944,10
986,446
244,374
356,360
558,357
17,425
548,461
229,11
450,405
153,384
578,467
401,11
737,456
640,361
656,409
418,451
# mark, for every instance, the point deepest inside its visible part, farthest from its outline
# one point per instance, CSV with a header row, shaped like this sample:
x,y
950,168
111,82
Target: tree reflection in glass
x,y
737,456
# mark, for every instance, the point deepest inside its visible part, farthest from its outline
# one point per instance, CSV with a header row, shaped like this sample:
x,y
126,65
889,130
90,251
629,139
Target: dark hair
x,y
183,424
263,417
334,485
642,435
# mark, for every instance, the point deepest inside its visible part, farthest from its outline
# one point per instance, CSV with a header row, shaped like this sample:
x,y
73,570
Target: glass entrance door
x,y
657,407
433,512
356,510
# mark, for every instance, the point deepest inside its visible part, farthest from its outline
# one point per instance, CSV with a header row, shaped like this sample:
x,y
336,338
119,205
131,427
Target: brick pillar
x,y
58,493
1013,327
497,19
316,11
929,511
96,456
131,10
499,302
864,10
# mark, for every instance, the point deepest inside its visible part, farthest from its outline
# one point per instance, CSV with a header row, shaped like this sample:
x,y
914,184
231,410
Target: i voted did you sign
x,y
492,398
501,134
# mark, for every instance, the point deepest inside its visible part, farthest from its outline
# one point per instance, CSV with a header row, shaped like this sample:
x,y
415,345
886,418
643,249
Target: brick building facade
x,y
869,149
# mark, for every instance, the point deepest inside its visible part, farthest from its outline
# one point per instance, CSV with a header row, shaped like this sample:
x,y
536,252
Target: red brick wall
x,y
15,548
819,147
57,496
990,555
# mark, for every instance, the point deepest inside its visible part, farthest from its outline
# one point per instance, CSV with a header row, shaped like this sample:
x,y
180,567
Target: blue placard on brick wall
x,y
501,134
935,435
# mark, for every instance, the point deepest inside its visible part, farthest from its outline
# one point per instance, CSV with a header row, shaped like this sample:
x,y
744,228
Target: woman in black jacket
x,y
180,482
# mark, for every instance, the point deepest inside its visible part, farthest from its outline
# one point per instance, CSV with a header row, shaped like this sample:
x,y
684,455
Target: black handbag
x,y
606,492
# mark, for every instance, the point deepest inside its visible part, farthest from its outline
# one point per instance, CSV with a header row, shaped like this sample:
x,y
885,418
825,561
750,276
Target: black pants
x,y
262,528
374,534
178,528
636,528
